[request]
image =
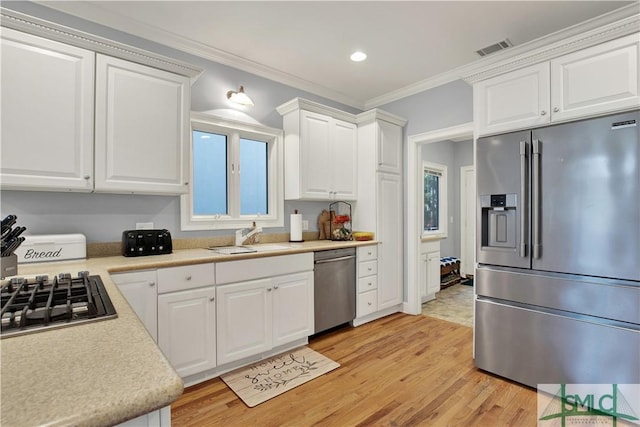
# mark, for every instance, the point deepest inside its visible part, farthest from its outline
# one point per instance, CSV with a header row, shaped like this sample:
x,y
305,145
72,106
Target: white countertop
x,y
104,372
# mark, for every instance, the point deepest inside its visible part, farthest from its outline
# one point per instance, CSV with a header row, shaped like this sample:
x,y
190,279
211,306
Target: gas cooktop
x,y
36,304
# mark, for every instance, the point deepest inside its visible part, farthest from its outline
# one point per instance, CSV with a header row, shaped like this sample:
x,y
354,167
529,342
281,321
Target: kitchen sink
x,y
233,250
266,248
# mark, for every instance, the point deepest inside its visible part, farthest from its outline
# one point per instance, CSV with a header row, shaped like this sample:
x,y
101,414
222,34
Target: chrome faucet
x,y
248,236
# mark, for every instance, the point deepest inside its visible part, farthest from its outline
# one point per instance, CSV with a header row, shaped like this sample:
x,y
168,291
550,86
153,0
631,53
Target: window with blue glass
x,y
234,175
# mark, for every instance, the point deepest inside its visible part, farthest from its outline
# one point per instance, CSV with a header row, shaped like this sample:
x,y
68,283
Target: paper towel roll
x,y
295,234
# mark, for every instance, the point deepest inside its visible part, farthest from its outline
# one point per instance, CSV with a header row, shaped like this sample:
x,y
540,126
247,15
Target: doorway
x,y
467,219
413,305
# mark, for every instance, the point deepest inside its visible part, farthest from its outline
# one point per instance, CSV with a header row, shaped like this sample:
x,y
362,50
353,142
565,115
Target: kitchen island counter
x,y
108,371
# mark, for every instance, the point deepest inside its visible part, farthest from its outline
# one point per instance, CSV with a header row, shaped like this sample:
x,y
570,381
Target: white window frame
x,y
233,220
441,232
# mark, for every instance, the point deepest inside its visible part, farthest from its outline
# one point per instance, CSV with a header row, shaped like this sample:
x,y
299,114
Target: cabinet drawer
x,y
367,253
367,283
367,268
367,303
185,277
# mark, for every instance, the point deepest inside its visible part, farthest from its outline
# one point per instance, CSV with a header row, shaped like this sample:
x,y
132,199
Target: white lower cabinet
x,y
429,274
258,315
292,307
244,319
140,290
187,329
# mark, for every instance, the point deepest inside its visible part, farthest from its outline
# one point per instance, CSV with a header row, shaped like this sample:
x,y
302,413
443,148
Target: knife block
x,y
8,266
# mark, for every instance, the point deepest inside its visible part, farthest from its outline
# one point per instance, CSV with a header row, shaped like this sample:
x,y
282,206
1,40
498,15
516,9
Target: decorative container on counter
x,y
341,220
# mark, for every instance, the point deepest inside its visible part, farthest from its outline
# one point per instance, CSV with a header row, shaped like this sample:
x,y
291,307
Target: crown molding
x,y
377,114
304,104
39,27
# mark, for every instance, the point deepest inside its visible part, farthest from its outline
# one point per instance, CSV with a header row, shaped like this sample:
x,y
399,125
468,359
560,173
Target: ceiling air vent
x,y
503,44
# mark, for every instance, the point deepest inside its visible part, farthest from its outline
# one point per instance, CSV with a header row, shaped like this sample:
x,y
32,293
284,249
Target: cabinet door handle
x,y
369,303
370,284
87,177
212,299
268,289
152,283
275,287
556,109
543,113
188,277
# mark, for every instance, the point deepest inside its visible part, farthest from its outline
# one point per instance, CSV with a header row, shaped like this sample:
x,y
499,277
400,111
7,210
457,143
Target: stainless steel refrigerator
x,y
558,253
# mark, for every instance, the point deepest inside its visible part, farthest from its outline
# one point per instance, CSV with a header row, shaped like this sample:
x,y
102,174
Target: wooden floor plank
x,y
398,371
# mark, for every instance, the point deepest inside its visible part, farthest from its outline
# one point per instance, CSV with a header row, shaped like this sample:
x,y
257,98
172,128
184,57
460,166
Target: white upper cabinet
x,y
77,120
389,147
519,99
320,152
142,117
598,80
47,114
380,143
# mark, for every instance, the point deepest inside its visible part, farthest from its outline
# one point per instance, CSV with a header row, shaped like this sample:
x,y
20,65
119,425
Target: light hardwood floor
x,y
401,370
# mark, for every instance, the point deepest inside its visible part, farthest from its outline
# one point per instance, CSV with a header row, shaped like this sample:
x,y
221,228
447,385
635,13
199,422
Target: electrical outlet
x,y
305,225
144,226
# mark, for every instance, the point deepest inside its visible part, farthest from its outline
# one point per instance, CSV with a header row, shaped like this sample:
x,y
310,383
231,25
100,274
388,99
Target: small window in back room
x,y
434,199
234,176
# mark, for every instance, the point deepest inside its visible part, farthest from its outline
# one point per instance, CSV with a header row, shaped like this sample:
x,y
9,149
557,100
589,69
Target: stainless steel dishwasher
x,y
334,288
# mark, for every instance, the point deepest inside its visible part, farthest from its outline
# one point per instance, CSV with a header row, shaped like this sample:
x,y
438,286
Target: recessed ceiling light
x,y
358,56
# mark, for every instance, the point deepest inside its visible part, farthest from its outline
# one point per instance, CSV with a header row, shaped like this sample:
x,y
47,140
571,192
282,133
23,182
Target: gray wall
x,y
103,217
453,155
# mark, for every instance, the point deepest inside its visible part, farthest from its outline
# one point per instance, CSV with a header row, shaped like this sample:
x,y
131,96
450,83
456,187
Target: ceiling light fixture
x,y
358,56
239,97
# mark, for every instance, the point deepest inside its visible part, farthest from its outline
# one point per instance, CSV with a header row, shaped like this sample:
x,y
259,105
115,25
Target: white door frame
x,y
414,232
466,265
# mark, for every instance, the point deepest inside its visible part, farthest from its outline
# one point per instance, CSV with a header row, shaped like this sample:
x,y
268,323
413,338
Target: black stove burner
x,y
30,305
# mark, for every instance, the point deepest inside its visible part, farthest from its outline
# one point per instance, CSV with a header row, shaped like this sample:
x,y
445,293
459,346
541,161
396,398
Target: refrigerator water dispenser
x,y
499,221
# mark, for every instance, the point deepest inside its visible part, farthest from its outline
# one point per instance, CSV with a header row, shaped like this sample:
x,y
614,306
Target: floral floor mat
x,y
271,377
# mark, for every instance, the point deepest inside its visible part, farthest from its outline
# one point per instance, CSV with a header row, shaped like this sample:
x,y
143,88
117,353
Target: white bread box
x,y
52,247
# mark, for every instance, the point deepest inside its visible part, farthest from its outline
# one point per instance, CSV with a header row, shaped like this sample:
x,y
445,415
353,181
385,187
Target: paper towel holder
x,y
295,228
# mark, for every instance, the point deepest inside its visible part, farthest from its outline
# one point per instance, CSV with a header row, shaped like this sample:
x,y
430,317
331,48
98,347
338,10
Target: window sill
x,y
433,237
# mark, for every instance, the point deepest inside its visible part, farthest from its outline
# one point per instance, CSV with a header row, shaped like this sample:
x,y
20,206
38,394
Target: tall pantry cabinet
x,y
380,204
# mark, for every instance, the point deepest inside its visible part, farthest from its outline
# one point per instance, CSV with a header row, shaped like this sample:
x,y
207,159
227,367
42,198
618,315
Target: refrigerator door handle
x,y
523,197
535,209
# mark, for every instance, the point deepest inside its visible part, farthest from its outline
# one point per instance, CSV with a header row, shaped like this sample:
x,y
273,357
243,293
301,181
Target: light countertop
x,y
104,372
